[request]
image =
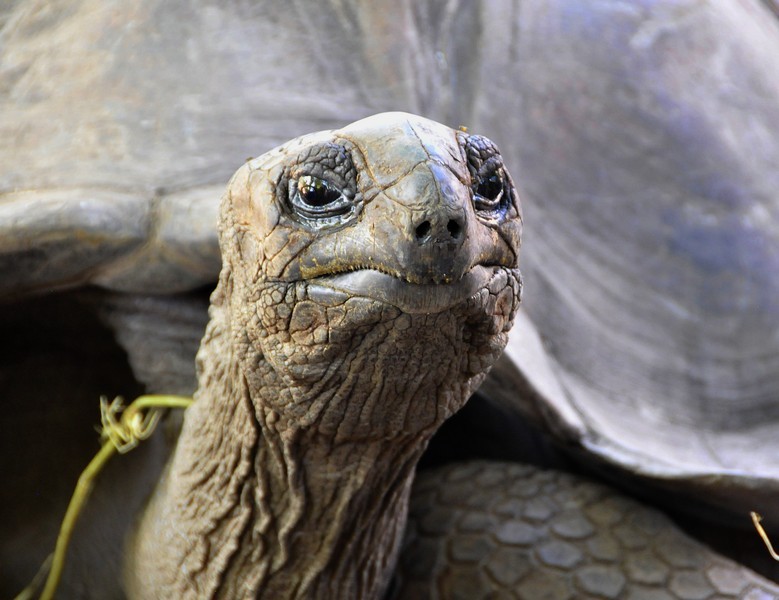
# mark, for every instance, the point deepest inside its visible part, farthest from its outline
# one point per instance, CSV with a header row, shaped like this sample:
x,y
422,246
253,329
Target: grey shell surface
x,y
642,137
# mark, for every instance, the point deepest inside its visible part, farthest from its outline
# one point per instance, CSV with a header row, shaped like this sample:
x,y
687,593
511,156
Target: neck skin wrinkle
x,y
293,470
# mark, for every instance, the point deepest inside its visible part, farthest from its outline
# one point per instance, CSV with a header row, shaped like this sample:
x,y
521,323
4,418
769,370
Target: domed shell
x,y
648,167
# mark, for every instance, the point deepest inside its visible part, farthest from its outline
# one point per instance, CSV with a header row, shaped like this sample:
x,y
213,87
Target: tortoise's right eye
x,y
317,193
320,187
318,201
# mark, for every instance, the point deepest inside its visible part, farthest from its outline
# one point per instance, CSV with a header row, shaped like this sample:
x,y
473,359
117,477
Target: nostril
x,y
422,230
454,228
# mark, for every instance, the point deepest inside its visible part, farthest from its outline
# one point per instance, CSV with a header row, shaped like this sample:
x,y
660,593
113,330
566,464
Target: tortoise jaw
x,y
412,298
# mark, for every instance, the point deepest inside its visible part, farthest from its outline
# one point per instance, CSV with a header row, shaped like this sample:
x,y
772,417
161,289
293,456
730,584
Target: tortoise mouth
x,y
412,298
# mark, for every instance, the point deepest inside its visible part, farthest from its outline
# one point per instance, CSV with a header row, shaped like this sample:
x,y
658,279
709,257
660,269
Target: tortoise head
x,y
392,244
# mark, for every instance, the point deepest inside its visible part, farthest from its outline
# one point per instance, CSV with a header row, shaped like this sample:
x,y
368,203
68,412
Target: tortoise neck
x,y
292,473
329,517
252,507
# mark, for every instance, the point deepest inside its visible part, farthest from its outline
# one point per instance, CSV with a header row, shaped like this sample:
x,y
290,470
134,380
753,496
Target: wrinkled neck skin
x,y
292,473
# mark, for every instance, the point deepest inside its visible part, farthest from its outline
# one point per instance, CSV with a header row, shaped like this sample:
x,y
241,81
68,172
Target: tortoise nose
x,y
429,233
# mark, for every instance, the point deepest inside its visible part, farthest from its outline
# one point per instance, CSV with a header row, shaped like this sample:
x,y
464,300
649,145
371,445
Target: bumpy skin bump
x,y
369,280
502,530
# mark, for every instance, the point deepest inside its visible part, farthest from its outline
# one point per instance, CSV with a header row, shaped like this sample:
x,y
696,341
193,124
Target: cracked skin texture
x,y
347,325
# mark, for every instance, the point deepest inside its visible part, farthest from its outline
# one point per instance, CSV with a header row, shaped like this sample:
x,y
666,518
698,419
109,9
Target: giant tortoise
x,y
648,347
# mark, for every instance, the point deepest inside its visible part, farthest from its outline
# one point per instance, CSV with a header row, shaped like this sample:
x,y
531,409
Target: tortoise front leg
x,y
505,530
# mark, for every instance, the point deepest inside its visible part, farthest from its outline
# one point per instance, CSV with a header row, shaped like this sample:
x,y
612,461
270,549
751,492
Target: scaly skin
x,y
502,530
319,390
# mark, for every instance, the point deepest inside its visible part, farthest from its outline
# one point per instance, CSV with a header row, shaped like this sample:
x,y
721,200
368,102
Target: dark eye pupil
x,y
490,187
317,192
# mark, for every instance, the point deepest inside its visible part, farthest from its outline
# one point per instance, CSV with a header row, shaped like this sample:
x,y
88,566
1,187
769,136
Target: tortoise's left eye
x,y
490,183
315,198
488,192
